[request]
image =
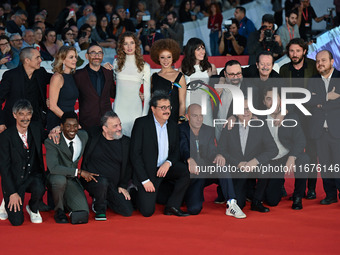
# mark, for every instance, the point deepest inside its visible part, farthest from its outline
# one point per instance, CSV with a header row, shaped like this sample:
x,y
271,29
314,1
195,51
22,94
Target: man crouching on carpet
x,y
22,167
62,161
156,161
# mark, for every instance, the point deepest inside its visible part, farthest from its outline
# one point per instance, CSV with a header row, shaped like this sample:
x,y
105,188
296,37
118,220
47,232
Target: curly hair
x,y
121,55
165,44
189,59
60,57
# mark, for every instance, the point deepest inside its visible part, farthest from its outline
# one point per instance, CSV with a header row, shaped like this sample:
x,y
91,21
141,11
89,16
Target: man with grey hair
x,y
18,21
88,9
107,154
22,167
28,36
28,81
16,42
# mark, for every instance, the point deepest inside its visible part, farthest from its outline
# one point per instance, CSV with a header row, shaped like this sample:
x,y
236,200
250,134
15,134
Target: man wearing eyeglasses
x,y
154,151
16,42
232,75
96,87
18,21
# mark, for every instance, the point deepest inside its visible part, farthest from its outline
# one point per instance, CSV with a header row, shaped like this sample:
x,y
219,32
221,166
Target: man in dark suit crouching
x,y
155,158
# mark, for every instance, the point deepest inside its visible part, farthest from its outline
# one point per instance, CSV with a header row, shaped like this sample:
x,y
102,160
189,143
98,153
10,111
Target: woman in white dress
x,y
197,71
131,72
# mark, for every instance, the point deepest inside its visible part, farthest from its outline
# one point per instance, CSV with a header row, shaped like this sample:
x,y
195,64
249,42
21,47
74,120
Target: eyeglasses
x,y
89,10
93,53
17,40
3,44
234,74
115,18
69,34
164,108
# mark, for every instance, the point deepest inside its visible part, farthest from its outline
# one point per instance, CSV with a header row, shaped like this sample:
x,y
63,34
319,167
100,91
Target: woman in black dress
x,y
166,52
63,91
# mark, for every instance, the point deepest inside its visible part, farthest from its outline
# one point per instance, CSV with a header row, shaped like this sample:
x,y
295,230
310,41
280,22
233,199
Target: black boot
x,y
297,203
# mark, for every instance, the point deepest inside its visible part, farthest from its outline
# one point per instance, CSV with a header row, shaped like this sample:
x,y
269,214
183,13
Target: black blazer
x,y
330,110
206,137
260,145
291,138
13,160
126,170
144,148
12,88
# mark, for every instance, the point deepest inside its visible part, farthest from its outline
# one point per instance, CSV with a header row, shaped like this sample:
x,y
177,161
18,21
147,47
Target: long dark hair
x,y
189,59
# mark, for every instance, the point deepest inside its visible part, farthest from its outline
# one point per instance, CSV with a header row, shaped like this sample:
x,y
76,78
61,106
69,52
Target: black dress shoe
x,y
328,201
258,206
175,211
311,194
297,203
60,216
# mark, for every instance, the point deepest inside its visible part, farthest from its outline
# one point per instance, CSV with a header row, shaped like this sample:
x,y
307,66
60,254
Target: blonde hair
x,y
60,57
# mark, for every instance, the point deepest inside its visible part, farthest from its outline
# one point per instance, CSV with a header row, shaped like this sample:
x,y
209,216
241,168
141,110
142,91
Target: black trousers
x,y
106,194
35,186
328,149
179,175
273,193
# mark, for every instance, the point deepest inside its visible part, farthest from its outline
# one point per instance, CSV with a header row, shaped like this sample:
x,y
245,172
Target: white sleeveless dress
x,y
198,96
128,104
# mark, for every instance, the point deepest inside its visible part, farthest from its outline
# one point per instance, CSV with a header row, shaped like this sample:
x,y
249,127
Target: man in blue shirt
x,y
246,25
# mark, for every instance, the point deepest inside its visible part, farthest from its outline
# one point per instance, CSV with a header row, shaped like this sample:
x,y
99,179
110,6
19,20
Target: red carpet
x,y
313,230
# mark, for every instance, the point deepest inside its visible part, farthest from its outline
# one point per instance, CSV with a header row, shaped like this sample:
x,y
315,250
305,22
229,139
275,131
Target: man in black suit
x,y
325,122
62,163
155,154
27,81
107,154
198,151
247,148
290,140
232,75
22,167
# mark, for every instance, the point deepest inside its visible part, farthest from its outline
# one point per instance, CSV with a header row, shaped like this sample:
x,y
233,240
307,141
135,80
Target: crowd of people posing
x,y
151,146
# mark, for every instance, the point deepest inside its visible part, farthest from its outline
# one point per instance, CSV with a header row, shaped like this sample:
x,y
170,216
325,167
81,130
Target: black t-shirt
x,y
106,159
228,45
307,16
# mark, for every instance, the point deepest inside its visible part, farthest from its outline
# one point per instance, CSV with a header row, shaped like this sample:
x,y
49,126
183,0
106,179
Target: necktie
x,y
24,139
70,146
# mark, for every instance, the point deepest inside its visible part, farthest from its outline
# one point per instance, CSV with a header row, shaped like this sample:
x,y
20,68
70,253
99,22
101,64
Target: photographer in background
x,y
231,42
264,39
149,36
173,29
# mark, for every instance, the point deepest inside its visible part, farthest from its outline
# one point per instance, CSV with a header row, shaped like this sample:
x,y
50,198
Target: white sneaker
x,y
35,217
93,201
234,210
3,212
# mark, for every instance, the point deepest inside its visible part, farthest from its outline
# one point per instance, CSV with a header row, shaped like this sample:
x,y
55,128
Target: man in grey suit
x,y
62,161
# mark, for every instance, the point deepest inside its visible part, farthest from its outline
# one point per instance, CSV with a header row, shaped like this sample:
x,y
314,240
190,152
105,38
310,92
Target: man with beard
x,y
174,29
290,29
297,73
325,122
96,87
232,76
150,36
107,154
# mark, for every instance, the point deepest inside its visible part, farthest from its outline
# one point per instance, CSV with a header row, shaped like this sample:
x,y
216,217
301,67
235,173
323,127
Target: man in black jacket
x,y
290,140
22,167
155,153
325,122
107,154
28,81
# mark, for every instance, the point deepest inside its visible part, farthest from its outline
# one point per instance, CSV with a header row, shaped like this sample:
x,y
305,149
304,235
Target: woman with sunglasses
x,y
166,52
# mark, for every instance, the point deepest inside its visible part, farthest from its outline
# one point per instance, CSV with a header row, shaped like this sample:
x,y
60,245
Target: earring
x,y
63,67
